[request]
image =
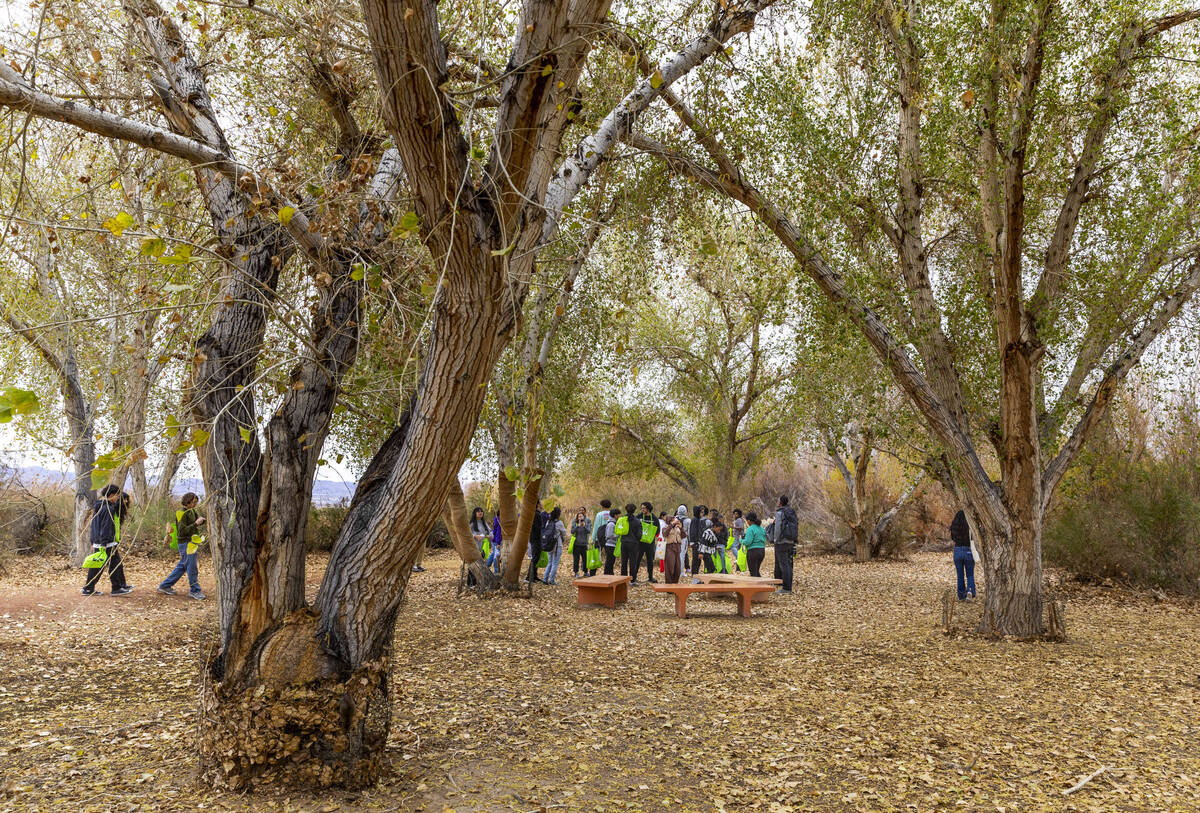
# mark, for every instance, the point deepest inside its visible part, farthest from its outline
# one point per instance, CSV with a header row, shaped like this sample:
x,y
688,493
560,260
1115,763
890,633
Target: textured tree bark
x,y
1012,602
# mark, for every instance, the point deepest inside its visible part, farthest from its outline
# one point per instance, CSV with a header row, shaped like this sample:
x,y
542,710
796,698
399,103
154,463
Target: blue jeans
x,y
964,567
552,565
186,564
493,560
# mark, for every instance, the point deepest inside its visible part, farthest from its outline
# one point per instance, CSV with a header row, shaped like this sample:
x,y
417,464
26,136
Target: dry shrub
x,y
1129,510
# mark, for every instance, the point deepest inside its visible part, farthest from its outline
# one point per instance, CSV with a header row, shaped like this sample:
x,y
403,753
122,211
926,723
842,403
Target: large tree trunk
x,y
1012,600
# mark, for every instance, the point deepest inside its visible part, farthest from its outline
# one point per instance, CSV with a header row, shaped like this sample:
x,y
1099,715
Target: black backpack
x,y
790,526
549,534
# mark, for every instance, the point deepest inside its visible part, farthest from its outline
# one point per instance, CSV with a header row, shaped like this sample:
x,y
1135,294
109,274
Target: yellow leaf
x,y
656,79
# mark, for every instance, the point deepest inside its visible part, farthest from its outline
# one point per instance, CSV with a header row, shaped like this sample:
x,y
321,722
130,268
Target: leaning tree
x,y
299,689
1031,170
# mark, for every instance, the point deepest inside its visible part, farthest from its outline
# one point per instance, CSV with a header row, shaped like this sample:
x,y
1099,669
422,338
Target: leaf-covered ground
x,y
845,696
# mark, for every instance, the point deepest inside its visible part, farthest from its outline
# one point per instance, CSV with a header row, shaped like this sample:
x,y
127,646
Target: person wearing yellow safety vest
x,y
107,514
185,535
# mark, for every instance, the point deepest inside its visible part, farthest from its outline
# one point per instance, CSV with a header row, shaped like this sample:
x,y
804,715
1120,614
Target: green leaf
x,y
181,256
656,79
410,221
172,426
118,223
200,437
153,247
286,213
358,272
245,433
511,473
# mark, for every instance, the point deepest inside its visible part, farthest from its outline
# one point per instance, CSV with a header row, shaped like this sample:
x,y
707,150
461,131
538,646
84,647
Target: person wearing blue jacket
x,y
107,514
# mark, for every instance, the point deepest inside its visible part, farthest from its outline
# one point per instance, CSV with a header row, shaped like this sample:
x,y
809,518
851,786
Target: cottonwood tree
x,y
1031,169
105,318
304,690
707,340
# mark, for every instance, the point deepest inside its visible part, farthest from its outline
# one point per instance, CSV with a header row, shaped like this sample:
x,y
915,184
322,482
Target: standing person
x,y
600,523
672,559
107,514
695,536
787,532
755,542
681,514
610,540
534,545
186,527
631,547
555,526
713,546
646,546
581,534
480,530
497,542
964,560
739,530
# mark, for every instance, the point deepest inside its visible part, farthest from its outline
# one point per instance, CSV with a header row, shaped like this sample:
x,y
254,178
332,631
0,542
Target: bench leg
x,y
594,595
681,605
621,593
743,605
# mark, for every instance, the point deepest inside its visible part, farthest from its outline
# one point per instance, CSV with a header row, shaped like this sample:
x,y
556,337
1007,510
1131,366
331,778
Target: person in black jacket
x,y
106,514
964,560
646,549
631,544
695,535
787,531
535,543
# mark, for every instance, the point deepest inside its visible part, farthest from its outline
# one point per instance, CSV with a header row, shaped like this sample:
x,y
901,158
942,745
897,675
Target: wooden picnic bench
x,y
607,590
738,578
745,594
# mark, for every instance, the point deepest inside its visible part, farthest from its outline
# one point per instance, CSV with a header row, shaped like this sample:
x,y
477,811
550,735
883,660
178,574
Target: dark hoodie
x,y
104,528
696,528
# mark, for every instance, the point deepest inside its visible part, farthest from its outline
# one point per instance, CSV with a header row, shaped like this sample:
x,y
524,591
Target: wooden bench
x,y
738,578
745,594
607,590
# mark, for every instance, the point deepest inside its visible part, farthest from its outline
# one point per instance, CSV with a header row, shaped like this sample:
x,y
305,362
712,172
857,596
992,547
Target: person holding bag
x,y
107,514
185,536
581,531
672,558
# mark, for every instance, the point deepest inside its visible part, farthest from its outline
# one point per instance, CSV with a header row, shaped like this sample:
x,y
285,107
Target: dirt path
x,y
845,696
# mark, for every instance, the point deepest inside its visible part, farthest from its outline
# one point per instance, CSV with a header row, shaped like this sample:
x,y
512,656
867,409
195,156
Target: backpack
x,y
598,533
549,534
789,530
649,530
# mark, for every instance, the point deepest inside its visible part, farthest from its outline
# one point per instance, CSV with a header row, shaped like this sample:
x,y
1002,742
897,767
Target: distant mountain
x,y
325,492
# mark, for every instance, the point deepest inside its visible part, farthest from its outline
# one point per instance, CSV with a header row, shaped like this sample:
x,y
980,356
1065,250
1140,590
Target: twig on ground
x,y
1078,785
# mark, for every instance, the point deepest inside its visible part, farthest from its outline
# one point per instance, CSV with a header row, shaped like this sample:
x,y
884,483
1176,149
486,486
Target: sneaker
x,y
196,594
418,569
786,592
652,581
122,591
88,592
167,591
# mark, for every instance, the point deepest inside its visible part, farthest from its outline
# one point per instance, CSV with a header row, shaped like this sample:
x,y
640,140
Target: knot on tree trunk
x,y
297,719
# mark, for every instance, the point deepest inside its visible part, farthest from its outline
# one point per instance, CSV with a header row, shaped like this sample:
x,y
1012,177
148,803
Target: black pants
x,y
710,564
783,563
116,571
694,554
647,550
535,553
578,561
754,559
610,560
630,553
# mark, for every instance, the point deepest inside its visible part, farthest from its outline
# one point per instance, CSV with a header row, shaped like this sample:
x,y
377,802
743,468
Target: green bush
x,y
1131,513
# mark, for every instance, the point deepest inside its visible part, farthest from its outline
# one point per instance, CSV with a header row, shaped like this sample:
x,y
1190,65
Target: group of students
x,y
679,545
109,512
